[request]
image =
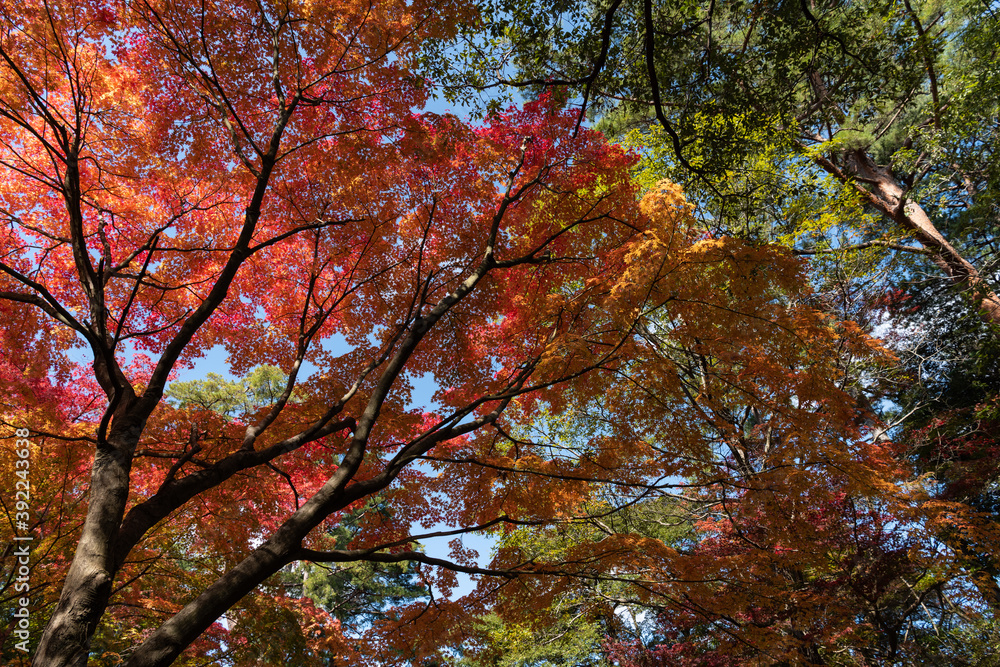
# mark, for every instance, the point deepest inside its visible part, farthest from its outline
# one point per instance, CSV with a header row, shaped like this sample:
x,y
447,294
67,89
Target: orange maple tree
x,y
258,176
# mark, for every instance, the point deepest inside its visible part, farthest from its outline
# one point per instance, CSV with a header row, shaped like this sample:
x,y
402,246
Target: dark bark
x,y
88,584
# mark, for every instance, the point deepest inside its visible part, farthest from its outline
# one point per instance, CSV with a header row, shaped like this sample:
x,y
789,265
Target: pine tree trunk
x,y
885,194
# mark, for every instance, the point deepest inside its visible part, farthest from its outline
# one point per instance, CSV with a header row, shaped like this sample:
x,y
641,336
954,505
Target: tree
x,y
741,431
590,614
231,398
947,383
359,594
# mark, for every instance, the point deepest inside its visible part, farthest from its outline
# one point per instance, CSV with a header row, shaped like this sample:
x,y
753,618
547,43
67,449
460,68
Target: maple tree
x,y
178,177
755,451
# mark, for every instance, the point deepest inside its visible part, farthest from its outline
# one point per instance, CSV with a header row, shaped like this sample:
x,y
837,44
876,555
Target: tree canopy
x,y
695,421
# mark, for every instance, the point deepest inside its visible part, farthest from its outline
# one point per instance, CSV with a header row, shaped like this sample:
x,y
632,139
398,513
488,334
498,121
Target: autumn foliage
x,y
262,177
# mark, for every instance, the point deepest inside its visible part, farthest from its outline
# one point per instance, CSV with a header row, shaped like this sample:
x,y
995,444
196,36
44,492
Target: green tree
x,y
262,387
359,593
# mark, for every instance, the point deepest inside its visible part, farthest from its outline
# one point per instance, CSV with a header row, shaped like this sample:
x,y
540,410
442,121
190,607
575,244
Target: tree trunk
x,y
886,195
87,588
